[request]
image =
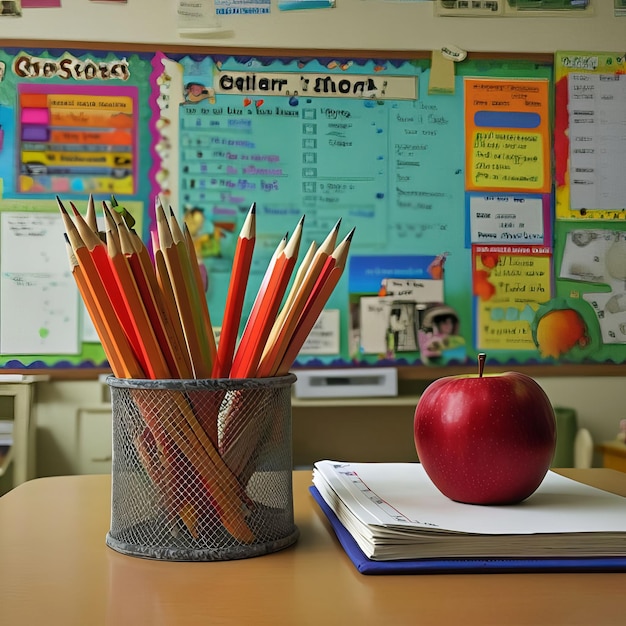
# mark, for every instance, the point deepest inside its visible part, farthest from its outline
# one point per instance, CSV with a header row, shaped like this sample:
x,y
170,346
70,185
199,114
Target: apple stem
x,y
481,363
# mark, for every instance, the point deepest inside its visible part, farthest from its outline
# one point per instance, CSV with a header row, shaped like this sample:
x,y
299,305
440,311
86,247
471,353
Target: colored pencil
x,y
113,357
236,294
196,286
173,350
162,285
324,286
180,280
98,252
265,308
276,349
193,285
90,215
111,326
156,365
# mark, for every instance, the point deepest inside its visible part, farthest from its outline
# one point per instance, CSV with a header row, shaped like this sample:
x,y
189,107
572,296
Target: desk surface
x,y
55,569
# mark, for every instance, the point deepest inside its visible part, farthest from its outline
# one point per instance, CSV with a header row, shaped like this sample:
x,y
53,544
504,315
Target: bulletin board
x,y
444,169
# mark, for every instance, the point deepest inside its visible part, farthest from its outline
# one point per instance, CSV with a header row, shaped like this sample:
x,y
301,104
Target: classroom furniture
x,y
363,430
52,541
21,388
613,455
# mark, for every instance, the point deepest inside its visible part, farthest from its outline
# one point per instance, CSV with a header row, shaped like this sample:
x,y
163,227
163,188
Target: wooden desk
x,y
57,570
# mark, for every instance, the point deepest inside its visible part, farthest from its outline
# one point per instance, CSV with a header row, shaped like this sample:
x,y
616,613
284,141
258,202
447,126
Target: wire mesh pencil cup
x,y
202,469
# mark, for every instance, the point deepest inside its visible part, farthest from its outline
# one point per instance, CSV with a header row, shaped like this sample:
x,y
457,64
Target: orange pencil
x,y
179,284
236,295
155,307
142,264
98,252
265,308
162,285
195,293
111,324
156,365
113,357
275,351
327,281
199,290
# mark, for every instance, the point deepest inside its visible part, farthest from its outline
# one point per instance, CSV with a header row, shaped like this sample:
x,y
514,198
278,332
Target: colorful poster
x,y
509,284
72,123
507,135
77,139
398,310
590,136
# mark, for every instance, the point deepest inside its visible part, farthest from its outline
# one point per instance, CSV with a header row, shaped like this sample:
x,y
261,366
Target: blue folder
x,y
465,565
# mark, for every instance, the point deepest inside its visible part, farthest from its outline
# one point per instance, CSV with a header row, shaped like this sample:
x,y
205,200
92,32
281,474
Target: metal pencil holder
x,y
202,469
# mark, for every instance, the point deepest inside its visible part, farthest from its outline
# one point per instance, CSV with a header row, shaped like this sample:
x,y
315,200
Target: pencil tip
x,y
61,207
350,234
338,224
74,209
253,207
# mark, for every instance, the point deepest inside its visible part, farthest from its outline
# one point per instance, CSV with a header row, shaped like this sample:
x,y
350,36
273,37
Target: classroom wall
x,y
65,409
353,24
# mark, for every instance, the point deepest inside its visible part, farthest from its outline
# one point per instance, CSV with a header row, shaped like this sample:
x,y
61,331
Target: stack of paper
x,y
393,511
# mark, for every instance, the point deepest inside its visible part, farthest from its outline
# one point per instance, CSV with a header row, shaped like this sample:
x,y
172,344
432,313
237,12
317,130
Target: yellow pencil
x,y
199,355
274,354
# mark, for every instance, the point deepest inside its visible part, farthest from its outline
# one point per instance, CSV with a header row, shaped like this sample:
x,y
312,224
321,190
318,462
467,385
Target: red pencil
x,y
236,294
265,309
328,279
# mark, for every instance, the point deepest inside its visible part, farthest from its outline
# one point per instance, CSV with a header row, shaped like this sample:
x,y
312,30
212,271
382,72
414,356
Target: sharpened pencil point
x,y
61,207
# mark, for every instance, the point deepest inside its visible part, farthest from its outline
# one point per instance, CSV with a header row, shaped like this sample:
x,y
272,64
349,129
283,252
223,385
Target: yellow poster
x,y
509,283
507,135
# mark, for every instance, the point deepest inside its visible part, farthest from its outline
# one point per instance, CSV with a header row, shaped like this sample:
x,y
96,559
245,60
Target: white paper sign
x,y
324,336
506,219
38,295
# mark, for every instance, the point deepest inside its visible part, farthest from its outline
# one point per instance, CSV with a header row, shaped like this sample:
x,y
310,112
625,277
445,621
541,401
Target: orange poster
x,y
507,139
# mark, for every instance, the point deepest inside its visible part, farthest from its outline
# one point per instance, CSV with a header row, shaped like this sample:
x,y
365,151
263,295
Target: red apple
x,y
485,439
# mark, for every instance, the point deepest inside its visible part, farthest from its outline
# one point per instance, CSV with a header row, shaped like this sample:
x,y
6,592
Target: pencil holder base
x,y
202,469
